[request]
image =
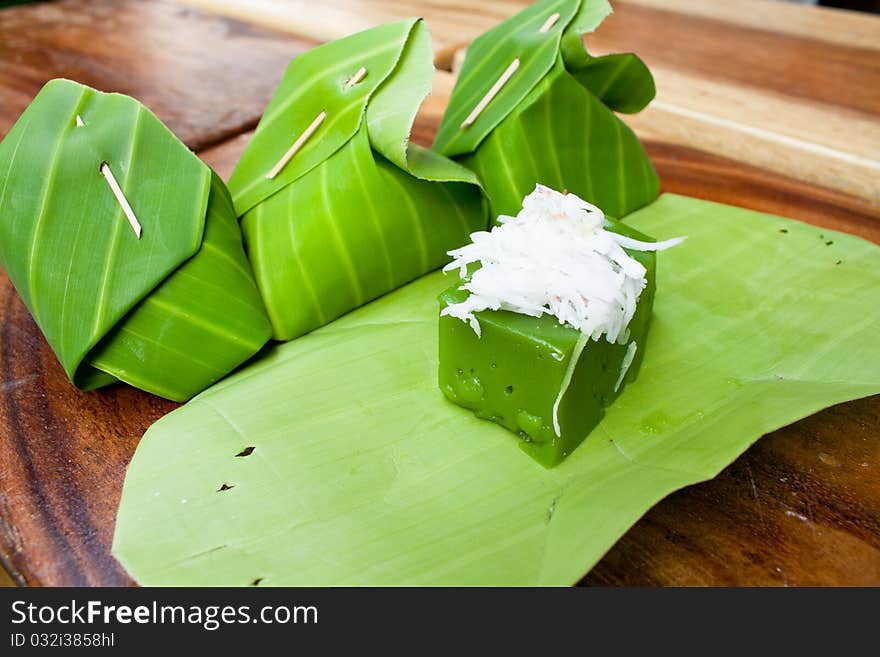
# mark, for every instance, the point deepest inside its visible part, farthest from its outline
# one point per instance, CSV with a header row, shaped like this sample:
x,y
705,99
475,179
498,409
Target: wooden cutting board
x,y
757,106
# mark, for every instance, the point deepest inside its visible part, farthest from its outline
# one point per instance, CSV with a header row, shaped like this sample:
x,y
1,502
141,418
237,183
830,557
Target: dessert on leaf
x,y
124,246
336,205
530,104
549,320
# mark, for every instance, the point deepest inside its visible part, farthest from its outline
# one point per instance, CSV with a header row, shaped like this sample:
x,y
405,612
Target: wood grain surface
x,y
812,22
772,99
206,76
454,24
800,507
791,89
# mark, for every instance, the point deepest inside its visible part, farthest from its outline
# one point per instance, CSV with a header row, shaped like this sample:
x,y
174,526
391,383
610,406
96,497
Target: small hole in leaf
x,y
509,390
257,581
225,487
247,451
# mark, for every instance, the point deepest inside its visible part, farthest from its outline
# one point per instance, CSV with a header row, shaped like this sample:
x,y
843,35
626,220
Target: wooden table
x,y
760,104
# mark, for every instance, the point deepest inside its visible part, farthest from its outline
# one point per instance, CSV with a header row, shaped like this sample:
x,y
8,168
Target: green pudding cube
x,y
515,372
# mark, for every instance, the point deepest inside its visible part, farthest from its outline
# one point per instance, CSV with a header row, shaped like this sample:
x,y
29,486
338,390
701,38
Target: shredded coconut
x,y
554,257
625,365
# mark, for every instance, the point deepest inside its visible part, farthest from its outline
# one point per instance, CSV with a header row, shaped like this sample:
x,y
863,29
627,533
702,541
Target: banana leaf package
x,y
124,246
532,106
337,207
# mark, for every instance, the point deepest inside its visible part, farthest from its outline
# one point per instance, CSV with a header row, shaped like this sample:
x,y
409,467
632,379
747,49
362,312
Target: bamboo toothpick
x,y
120,198
357,77
550,22
297,145
500,82
79,122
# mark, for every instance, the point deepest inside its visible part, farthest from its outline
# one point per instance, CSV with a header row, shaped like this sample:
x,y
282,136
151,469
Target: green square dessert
x,y
542,378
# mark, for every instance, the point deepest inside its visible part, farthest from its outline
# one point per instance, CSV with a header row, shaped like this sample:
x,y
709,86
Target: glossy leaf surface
x,y
519,37
542,141
83,272
337,460
553,122
360,210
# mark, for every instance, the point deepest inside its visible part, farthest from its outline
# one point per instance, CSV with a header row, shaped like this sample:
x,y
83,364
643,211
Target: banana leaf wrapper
x,y
170,312
358,210
369,476
554,121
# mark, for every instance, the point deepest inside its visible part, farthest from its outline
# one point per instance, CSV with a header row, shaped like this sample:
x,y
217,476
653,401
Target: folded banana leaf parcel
x,y
337,206
530,105
124,246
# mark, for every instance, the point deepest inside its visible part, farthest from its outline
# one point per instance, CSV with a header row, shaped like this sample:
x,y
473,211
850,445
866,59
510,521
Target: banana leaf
x,y
358,210
337,460
554,121
170,311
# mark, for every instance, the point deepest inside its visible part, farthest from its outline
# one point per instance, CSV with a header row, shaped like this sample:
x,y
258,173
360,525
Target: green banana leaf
x,y
170,312
359,210
336,459
554,121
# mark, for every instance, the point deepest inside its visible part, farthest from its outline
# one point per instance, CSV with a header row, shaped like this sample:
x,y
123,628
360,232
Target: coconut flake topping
x,y
554,257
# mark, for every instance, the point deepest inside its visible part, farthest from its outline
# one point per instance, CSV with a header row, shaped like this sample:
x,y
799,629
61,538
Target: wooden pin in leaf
x,y
499,83
117,190
298,144
550,22
120,198
357,77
